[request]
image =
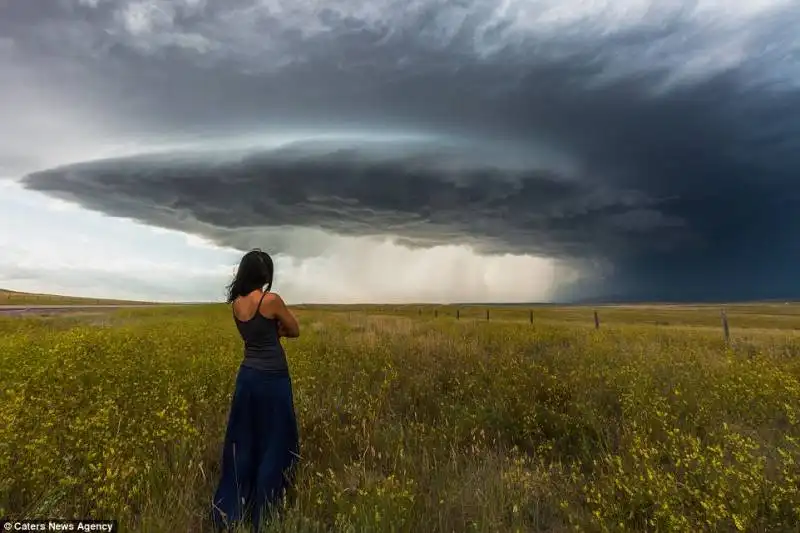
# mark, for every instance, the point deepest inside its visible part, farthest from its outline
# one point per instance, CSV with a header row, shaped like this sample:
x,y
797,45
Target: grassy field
x,y
8,297
412,420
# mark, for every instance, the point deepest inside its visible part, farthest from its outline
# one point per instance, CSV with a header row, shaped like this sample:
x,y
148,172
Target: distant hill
x,y
8,297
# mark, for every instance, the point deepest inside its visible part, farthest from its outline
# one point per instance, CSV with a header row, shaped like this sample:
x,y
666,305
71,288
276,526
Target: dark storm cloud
x,y
425,194
667,146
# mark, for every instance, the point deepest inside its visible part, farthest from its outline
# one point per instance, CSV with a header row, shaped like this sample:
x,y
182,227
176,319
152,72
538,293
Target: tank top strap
x,y
258,309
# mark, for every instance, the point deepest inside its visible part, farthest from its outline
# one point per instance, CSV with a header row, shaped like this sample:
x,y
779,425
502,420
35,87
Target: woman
x,y
261,441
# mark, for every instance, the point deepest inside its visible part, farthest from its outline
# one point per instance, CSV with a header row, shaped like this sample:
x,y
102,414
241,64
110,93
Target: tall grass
x,y
410,424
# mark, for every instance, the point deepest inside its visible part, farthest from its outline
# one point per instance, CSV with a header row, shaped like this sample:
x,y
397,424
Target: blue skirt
x,y
260,451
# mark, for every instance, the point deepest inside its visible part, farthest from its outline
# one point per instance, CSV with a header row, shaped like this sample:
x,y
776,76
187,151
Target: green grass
x,y
415,423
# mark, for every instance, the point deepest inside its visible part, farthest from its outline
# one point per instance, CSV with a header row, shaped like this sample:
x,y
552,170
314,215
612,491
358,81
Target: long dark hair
x,y
255,272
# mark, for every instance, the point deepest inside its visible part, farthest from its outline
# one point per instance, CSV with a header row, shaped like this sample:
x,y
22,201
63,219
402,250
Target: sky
x,y
402,150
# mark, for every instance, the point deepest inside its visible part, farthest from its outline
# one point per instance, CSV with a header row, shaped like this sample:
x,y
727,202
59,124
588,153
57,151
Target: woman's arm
x,y
287,323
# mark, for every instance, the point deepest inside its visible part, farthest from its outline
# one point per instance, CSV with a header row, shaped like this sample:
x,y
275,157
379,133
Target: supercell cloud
x,y
653,146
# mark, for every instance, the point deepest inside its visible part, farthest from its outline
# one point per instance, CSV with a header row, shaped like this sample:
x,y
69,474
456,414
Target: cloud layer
x,y
423,193
657,140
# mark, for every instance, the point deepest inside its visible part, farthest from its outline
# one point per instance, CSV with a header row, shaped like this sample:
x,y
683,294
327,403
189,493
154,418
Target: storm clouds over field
x,y
651,147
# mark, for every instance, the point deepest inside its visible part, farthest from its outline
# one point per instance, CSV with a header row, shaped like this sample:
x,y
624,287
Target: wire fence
x,y
659,317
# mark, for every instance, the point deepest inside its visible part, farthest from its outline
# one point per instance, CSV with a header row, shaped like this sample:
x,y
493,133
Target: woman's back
x,y
261,441
262,346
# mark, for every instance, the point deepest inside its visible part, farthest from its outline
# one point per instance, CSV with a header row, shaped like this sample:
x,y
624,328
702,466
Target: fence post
x,y
596,320
458,315
531,316
487,314
725,328
435,313
419,311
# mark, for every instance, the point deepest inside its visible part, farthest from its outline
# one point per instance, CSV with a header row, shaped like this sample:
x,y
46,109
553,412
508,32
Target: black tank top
x,y
262,347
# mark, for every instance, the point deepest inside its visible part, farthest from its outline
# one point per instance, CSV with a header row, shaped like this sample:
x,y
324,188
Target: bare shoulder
x,y
272,301
273,305
273,297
